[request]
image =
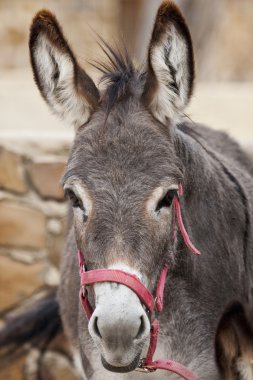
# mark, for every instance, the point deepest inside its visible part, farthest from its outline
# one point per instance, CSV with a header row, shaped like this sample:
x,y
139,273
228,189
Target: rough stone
x,y
57,367
26,257
45,177
14,371
11,172
31,367
18,280
21,226
27,304
51,208
54,226
52,277
55,248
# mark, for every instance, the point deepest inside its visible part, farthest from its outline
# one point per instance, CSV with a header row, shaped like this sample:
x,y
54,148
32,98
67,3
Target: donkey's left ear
x,y
170,73
65,86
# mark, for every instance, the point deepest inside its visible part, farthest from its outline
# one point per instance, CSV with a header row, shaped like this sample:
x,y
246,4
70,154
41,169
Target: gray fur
x,y
216,207
120,156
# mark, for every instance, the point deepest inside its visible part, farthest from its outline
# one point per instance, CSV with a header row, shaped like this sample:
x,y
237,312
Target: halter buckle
x,y
142,367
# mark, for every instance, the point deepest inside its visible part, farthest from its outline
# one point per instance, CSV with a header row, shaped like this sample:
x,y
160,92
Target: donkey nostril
x,y
95,327
141,329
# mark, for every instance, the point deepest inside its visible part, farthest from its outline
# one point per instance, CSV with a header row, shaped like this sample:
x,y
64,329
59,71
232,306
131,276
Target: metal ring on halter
x,y
83,290
144,367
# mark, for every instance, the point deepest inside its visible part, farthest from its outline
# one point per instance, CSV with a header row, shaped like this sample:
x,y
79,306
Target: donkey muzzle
x,y
119,326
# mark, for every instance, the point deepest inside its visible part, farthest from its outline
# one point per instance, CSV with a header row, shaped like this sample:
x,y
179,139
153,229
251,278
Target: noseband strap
x,y
133,282
121,277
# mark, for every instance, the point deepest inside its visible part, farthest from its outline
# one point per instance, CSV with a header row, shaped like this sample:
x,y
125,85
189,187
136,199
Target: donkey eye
x,y
167,200
75,201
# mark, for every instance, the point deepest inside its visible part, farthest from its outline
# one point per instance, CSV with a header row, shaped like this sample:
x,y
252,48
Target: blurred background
x,y
34,145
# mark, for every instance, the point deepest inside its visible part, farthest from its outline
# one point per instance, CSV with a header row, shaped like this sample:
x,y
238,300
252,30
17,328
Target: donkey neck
x,y
198,288
214,209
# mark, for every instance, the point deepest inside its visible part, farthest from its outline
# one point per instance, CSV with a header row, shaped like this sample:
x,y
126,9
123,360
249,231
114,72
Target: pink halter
x,y
131,281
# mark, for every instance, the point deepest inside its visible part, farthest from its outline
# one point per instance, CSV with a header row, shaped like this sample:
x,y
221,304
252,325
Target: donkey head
x,y
123,169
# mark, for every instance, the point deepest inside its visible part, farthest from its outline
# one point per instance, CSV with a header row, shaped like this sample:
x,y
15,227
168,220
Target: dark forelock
x,y
119,74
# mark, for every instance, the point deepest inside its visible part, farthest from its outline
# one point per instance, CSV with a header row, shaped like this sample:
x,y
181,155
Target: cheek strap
x,y
185,236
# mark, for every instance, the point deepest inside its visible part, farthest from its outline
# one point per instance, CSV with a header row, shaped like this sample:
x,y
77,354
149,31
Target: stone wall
x,y
32,228
33,152
31,207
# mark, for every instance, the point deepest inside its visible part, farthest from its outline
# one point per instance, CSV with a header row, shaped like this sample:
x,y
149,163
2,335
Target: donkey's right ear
x,y
65,86
170,71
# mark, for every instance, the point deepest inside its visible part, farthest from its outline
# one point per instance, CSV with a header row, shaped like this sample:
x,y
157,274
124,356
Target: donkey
x,y
133,154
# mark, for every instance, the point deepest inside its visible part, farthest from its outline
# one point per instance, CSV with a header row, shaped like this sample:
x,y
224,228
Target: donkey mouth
x,y
123,369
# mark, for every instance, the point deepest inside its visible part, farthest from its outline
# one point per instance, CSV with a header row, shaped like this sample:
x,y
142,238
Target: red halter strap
x,y
180,223
133,282
124,278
